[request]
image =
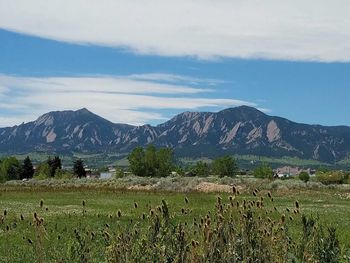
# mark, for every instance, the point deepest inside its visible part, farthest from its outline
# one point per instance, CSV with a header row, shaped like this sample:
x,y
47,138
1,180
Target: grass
x,y
67,221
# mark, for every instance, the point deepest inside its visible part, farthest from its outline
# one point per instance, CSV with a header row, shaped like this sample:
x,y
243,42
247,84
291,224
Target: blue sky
x,y
149,70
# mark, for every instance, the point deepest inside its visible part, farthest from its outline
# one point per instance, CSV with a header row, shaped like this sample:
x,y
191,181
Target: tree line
x,y
153,162
13,169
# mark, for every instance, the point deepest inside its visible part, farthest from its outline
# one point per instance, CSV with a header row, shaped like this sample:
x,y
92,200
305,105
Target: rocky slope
x,y
241,130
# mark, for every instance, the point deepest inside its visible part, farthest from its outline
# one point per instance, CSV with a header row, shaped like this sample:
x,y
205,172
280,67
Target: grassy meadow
x,y
84,224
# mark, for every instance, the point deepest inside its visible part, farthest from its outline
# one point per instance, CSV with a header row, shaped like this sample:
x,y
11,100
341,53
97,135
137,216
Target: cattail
x,y
41,203
219,199
283,218
186,200
193,243
297,204
106,235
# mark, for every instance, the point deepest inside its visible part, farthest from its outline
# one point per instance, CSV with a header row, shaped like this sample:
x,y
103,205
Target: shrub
x,y
225,166
304,176
331,177
263,171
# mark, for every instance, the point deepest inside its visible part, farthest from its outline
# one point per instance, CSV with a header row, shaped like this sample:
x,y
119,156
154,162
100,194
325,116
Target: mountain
x,y
240,130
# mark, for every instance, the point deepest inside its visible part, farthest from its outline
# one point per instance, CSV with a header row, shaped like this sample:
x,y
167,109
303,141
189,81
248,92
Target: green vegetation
x,y
151,162
78,168
225,166
89,224
332,177
263,171
304,176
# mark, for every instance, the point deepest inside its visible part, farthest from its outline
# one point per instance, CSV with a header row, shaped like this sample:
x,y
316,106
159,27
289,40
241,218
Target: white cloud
x,y
119,99
273,29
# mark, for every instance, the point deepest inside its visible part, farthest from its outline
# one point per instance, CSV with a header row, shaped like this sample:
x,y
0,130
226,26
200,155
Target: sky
x,y
144,61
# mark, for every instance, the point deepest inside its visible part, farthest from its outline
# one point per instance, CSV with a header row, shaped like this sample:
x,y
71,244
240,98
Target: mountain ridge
x,y
239,130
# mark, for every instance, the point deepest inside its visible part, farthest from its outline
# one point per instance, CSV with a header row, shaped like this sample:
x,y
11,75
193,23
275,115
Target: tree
x,y
304,176
27,170
201,169
78,168
137,161
10,169
225,166
151,162
263,171
43,171
165,162
54,164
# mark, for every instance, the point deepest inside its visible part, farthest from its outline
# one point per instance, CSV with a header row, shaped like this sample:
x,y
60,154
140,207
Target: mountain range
x,y
241,130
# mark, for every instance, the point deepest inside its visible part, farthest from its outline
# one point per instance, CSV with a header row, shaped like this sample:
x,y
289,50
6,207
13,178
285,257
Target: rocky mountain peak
x,y
240,130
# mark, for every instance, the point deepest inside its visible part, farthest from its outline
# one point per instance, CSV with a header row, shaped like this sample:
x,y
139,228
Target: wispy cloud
x,y
291,29
127,99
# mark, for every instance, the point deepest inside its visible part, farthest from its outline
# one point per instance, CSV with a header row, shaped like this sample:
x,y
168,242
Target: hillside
x,y
241,130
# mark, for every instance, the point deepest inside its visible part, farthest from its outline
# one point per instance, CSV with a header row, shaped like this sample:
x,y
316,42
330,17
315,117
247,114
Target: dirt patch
x,y
212,187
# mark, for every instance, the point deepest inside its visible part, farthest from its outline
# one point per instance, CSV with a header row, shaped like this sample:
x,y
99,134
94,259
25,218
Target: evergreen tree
x,y
54,164
78,168
27,170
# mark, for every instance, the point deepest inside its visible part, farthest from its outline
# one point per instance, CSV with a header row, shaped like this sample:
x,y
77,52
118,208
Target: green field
x,y
104,210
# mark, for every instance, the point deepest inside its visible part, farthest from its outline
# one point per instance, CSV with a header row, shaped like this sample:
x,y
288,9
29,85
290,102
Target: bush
x,y
331,177
201,169
263,171
304,176
225,166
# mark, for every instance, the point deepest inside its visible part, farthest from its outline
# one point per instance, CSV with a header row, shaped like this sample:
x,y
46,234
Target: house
x,y
288,171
